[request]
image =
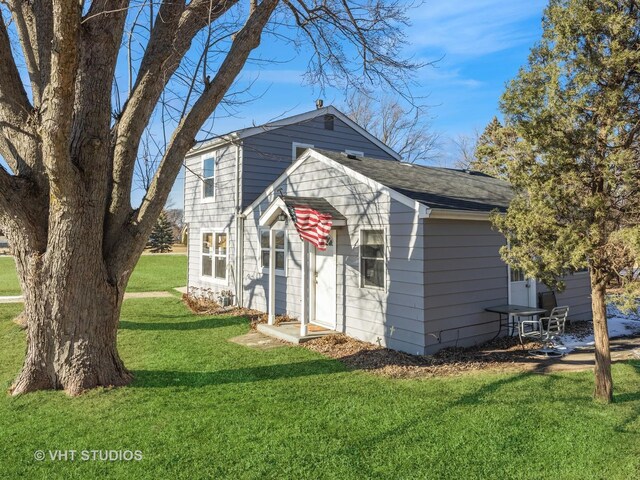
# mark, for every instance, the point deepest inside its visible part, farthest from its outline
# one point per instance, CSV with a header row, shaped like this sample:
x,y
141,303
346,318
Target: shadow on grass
x,y
205,323
164,379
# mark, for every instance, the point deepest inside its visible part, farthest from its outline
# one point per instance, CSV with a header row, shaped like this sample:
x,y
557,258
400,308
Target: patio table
x,y
507,311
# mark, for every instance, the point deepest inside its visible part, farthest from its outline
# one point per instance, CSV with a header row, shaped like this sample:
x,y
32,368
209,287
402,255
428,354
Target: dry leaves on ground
x,y
501,354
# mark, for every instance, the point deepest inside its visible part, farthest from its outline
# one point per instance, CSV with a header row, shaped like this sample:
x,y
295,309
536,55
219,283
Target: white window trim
x,y
210,155
265,270
357,153
212,278
295,146
384,259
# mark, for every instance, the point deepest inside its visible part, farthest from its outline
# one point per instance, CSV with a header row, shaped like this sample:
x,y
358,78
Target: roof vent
x,y
319,103
350,156
328,122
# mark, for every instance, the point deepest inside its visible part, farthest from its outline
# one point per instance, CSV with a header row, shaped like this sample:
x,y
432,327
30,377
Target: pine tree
x,y
575,112
494,149
161,238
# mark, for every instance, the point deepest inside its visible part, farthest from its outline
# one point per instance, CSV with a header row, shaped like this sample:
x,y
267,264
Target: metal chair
x,y
546,330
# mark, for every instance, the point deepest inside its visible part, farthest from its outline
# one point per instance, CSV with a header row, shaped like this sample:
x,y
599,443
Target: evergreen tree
x,y
494,149
161,238
575,112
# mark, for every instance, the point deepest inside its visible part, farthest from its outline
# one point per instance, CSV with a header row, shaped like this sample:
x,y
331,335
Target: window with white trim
x,y
372,261
214,255
280,250
208,177
298,149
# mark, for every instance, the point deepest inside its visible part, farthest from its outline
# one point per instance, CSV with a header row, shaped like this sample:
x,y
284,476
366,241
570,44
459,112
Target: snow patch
x,y
619,325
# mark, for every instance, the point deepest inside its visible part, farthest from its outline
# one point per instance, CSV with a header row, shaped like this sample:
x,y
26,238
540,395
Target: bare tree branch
x,y
244,42
406,129
34,23
170,39
100,41
15,107
59,98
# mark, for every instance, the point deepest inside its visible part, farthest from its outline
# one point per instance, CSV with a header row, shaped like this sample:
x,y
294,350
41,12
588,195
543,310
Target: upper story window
x,y
372,264
279,249
208,177
298,149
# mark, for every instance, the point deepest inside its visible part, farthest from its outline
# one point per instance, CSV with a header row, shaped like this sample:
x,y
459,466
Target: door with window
x,y
522,290
325,276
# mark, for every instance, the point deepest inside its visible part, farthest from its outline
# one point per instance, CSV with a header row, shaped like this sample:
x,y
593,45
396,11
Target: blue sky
x,y
480,44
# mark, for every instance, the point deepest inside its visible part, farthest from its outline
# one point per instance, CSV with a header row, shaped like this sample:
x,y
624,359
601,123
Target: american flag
x,y
312,226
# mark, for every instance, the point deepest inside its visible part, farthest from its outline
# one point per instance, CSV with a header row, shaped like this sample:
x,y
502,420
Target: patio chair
x,y
546,330
547,300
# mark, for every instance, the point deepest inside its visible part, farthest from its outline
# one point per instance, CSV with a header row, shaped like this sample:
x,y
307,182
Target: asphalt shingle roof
x,y
435,187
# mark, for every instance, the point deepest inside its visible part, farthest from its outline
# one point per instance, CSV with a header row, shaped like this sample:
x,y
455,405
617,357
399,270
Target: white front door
x,y
325,284
522,291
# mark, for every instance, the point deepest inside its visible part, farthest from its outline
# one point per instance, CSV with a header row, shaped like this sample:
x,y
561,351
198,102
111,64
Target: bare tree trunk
x,y
72,312
604,382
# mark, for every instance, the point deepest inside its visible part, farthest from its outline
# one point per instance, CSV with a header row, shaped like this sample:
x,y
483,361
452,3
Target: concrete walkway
x,y
127,295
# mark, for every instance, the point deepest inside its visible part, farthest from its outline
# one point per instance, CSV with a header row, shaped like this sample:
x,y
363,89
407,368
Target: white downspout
x,y
239,230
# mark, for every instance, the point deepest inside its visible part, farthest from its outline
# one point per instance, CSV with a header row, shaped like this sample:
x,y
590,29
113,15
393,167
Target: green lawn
x,y
202,407
153,273
8,279
156,273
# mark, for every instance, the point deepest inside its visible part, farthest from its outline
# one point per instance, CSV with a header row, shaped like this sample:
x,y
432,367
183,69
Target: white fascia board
x,y
423,210
272,212
212,144
441,213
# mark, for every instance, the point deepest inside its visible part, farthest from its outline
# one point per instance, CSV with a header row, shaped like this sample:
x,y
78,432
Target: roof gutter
x,y
445,214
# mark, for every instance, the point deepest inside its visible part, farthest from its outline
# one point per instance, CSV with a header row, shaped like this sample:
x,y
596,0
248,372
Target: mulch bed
x,y
501,354
204,306
504,353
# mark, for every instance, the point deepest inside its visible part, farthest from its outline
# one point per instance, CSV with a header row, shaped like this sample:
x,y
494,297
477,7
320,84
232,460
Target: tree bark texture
x,y
72,309
604,382
65,203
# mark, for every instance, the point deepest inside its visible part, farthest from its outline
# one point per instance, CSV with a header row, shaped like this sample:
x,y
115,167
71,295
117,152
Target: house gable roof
x,y
435,187
251,131
432,191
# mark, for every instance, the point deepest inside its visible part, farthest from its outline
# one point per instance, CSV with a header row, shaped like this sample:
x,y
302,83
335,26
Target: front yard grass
x,y
8,279
202,407
152,273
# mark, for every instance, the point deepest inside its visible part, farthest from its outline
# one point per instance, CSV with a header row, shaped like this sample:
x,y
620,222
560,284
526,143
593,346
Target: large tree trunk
x,y
604,382
72,315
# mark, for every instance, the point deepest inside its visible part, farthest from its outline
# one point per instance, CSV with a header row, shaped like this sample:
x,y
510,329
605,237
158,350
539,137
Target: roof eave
x,y
447,214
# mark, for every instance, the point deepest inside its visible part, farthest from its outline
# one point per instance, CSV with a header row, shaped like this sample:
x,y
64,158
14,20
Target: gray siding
x,y
577,295
218,215
268,154
393,317
463,275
